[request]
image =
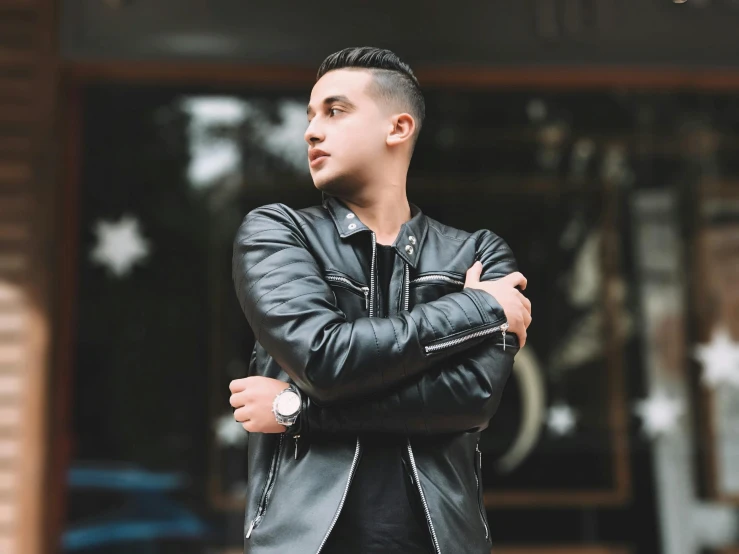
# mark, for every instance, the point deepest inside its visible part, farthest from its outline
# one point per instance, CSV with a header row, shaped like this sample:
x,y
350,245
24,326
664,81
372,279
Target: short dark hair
x,y
394,79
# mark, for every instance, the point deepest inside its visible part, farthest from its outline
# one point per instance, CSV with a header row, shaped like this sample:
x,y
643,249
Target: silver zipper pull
x,y
505,328
366,297
296,446
248,533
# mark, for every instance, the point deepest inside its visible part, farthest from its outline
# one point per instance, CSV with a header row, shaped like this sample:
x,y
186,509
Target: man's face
x,y
347,124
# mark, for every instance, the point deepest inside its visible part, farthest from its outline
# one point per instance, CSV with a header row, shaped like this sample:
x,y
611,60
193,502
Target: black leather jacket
x,y
432,370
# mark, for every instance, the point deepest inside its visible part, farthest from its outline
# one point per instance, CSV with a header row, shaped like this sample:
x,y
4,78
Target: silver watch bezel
x,y
286,420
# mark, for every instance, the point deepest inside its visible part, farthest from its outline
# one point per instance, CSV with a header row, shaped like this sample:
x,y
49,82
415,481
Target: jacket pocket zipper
x,y
437,277
502,328
352,287
271,478
478,479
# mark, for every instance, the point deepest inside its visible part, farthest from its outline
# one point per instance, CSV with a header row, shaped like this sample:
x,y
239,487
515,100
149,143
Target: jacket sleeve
x,y
461,393
292,312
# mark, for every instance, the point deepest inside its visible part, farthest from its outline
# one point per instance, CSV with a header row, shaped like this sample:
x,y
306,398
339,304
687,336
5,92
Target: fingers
x,y
473,273
240,396
516,279
237,400
525,301
523,321
518,328
237,385
242,415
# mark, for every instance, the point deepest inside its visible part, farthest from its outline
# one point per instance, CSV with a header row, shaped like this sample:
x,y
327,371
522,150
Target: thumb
x,y
474,272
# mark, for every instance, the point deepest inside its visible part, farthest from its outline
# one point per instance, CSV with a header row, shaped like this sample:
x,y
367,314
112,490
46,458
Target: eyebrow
x,y
331,100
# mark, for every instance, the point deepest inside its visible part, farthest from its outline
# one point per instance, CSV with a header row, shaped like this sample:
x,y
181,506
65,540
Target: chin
x,y
331,184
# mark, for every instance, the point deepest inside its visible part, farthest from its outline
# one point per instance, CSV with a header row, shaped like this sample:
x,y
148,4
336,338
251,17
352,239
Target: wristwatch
x,y
287,405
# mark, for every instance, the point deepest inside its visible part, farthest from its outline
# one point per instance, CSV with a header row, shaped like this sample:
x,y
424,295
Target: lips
x,y
316,156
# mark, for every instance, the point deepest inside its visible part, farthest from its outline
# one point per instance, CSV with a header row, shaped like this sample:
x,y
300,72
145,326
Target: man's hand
x,y
252,397
516,306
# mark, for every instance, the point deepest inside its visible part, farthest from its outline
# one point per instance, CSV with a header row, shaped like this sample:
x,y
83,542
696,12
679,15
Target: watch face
x,y
288,404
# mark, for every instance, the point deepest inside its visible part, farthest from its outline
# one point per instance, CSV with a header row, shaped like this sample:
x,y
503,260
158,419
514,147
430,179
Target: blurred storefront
x,y
602,135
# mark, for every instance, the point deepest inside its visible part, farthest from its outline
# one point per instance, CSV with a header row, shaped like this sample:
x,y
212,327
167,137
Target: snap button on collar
x,y
352,226
349,216
409,249
412,239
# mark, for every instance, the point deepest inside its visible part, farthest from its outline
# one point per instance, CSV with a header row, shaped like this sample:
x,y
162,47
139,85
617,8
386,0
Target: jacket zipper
x,y
437,277
358,448
343,497
372,276
437,549
412,458
361,290
477,480
271,478
407,287
453,342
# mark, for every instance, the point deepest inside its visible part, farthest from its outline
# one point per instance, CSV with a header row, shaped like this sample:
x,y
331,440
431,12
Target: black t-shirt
x,y
382,513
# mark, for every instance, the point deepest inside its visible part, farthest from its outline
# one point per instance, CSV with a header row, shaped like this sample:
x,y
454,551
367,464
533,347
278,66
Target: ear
x,y
402,128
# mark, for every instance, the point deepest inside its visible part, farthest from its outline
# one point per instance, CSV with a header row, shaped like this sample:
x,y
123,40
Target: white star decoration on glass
x,y
536,110
119,245
659,414
720,360
561,419
230,432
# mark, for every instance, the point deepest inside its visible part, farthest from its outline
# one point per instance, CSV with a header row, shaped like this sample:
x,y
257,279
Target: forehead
x,y
351,83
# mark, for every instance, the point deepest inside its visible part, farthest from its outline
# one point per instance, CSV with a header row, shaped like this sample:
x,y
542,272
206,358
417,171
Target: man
x,y
383,340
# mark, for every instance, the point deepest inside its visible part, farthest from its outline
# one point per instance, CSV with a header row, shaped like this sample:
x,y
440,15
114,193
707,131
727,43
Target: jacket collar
x,y
408,243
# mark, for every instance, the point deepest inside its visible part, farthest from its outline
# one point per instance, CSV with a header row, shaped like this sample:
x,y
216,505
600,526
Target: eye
x,y
332,110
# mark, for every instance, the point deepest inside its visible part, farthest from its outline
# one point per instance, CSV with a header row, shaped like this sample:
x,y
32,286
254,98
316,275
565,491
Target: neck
x,y
384,210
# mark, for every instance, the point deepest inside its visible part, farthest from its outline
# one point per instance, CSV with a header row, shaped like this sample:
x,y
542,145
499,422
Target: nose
x,y
313,134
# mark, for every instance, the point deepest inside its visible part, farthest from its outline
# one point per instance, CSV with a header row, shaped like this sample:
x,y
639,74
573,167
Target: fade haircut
x,y
393,80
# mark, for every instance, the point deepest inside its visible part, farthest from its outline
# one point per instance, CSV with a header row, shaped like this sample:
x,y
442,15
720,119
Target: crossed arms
x,y
372,374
